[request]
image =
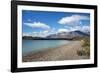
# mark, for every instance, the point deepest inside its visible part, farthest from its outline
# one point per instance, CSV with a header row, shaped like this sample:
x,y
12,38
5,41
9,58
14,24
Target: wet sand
x,y
64,52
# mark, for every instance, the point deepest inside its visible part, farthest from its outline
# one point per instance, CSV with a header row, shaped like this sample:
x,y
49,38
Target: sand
x,y
64,52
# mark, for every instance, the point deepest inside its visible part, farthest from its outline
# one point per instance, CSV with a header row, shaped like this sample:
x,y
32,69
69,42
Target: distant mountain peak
x,y
66,35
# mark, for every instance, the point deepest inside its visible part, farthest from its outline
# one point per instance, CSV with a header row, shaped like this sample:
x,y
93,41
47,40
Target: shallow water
x,y
39,45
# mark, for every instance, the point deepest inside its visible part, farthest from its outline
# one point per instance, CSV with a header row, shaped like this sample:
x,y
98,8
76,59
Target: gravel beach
x,y
64,52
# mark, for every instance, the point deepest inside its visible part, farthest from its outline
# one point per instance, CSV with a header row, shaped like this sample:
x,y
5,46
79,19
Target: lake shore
x,y
64,52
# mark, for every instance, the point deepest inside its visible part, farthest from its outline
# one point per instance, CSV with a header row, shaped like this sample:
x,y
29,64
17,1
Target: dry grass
x,y
85,47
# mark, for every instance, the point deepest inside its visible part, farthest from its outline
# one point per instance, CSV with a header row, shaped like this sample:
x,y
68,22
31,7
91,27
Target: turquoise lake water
x,y
39,45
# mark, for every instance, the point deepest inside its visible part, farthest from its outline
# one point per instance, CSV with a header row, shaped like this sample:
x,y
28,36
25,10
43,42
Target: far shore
x,y
64,52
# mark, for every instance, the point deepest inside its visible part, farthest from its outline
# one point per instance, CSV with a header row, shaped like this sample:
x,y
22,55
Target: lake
x,y
40,45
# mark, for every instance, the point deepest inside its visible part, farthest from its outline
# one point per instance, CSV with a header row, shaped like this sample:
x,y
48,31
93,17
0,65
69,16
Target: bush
x,y
85,47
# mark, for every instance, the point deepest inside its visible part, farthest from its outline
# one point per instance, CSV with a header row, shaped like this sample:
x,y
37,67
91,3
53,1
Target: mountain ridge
x,y
61,35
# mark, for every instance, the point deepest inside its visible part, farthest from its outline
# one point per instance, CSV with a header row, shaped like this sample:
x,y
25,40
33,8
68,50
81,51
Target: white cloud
x,y
37,34
86,28
38,25
73,29
46,31
72,20
27,34
81,28
63,30
54,31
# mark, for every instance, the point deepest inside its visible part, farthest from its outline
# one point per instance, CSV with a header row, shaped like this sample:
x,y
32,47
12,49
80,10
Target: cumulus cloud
x,y
38,25
72,20
43,33
86,28
81,28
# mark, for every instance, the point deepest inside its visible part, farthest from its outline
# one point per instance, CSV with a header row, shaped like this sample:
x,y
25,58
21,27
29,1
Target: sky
x,y
44,23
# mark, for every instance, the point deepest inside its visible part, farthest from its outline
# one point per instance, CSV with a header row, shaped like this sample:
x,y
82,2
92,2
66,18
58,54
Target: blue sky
x,y
42,23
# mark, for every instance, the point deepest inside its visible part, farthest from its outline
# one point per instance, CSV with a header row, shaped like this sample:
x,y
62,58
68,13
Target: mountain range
x,y
71,34
63,35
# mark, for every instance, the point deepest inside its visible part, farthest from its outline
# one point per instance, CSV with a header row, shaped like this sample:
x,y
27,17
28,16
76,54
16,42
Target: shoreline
x,y
64,52
46,49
